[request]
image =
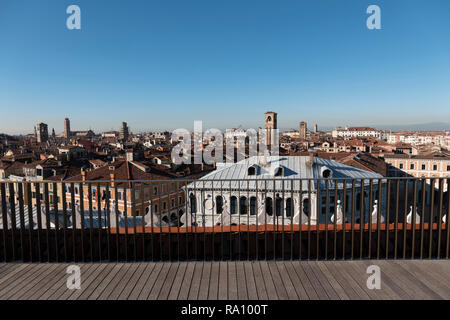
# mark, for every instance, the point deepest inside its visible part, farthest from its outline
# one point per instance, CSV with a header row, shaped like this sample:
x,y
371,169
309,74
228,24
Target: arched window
x,y
278,206
306,206
193,203
252,205
233,205
251,171
288,207
269,206
243,205
219,204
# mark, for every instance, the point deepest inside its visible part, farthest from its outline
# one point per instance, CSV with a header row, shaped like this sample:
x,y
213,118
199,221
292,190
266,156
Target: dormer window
x,y
326,172
252,170
278,172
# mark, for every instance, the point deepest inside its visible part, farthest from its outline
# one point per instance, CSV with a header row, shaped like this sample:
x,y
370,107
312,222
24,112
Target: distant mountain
x,y
430,126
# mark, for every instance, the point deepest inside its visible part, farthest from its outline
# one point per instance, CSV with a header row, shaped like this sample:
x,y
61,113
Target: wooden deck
x,y
230,280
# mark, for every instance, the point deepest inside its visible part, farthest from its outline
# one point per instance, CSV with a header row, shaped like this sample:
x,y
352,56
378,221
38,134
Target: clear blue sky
x,y
163,64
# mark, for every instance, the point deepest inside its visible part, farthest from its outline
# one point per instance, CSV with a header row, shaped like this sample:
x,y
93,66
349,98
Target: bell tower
x,y
270,125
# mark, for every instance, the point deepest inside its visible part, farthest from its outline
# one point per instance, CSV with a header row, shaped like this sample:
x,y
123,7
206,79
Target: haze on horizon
x,y
159,65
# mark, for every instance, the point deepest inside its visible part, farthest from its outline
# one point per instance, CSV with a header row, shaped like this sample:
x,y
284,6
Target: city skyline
x,y
160,66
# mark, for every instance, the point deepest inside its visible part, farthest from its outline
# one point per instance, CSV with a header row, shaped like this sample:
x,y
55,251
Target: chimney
x,y
83,174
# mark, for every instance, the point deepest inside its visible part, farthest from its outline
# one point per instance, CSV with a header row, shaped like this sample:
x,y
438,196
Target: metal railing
x,y
251,219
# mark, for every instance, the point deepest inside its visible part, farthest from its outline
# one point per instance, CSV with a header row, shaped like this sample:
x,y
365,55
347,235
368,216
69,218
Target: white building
x,y
357,132
268,190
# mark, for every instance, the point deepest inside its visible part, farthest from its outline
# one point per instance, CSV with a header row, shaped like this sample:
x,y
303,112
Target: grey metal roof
x,y
295,168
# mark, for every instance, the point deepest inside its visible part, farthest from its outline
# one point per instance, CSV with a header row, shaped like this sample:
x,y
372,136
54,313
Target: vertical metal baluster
x,y
275,220
447,221
239,219
431,221
12,206
195,219
116,214
39,220
142,195
204,224
371,201
133,211
439,222
282,209
380,201
55,206
327,205
405,213
292,218
74,222
221,223
213,215
125,218
153,198
99,224
108,220
352,226
413,221
422,218
265,219
397,194
248,219
336,184
362,216
177,199
318,214
91,223
309,219
30,221
300,223
22,222
47,221
388,221
81,186
5,222
344,218
64,207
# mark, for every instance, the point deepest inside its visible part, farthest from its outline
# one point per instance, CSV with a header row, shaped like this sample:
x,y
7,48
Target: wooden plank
x,y
19,282
268,281
340,291
204,285
17,271
348,278
129,287
114,282
259,281
95,294
92,286
357,270
160,280
287,283
134,294
321,293
223,281
251,283
213,290
115,294
185,286
323,280
434,269
167,285
295,280
60,288
439,287
346,285
232,281
196,279
47,282
415,283
241,281
58,282
178,281
279,286
307,285
16,294
400,281
86,280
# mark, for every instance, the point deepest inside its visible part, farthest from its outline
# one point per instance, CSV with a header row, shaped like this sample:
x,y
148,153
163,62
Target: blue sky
x,y
163,64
